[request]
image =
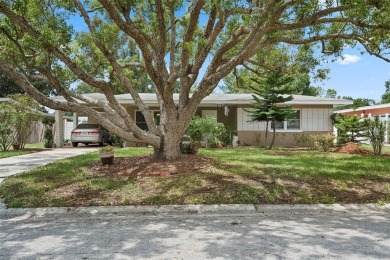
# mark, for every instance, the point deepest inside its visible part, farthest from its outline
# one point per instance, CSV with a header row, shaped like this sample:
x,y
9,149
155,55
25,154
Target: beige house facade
x,y
312,116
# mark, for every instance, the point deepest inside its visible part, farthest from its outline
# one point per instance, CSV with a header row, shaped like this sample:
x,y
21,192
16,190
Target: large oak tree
x,y
171,41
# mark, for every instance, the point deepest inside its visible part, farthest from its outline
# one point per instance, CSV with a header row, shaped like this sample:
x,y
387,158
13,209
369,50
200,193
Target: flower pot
x,y
107,158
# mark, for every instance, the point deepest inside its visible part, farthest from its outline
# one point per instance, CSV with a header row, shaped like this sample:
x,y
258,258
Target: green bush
x,y
315,141
7,119
324,141
209,131
117,141
375,132
48,136
349,128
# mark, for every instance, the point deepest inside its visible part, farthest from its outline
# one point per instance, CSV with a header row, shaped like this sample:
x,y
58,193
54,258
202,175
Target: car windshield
x,y
85,126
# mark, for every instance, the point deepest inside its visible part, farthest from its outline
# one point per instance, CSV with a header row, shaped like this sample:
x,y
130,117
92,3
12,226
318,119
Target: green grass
x,y
37,145
243,175
386,149
12,152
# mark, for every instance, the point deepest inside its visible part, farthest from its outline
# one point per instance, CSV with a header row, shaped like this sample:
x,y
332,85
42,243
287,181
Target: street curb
x,y
231,209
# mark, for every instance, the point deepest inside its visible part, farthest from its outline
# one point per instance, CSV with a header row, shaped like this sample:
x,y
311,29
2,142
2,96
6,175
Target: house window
x,y
292,123
141,122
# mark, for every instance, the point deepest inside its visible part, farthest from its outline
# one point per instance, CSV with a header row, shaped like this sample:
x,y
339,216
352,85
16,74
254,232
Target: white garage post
x,y
59,129
387,122
75,120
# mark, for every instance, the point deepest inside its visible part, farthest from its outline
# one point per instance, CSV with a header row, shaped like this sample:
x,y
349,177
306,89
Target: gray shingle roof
x,y
225,99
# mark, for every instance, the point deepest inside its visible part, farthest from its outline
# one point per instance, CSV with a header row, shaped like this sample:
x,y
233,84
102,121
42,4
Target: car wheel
x,y
86,143
75,144
102,142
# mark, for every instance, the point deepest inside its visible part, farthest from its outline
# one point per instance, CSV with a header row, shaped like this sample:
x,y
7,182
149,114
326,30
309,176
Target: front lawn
x,y
243,175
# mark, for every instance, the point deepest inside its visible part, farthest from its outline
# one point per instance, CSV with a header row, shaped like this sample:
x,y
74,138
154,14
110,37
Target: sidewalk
x,y
13,165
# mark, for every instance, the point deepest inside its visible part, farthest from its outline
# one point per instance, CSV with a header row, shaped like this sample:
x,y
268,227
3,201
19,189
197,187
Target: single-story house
x,y
312,116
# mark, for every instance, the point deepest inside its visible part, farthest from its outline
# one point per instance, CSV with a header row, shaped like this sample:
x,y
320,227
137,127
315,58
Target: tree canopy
x,y
175,43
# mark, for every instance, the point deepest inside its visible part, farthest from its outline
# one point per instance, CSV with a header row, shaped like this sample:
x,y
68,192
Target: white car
x,y
88,133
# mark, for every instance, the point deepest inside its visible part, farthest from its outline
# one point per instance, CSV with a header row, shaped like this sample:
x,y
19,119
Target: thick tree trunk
x,y
169,146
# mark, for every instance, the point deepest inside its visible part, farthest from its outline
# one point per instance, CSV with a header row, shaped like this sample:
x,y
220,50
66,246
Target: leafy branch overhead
x,y
168,46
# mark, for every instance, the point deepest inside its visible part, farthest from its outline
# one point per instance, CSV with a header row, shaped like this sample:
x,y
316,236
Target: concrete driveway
x,y
17,164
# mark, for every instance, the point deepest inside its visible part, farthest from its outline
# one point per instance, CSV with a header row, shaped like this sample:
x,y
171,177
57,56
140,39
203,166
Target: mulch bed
x,y
148,166
352,148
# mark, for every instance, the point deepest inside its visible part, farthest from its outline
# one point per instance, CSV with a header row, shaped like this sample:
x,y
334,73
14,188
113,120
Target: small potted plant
x,y
106,154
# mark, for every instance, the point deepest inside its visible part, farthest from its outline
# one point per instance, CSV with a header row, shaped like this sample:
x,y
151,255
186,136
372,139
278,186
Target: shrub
x,y
349,128
117,141
306,140
375,132
315,141
208,130
324,141
7,135
48,136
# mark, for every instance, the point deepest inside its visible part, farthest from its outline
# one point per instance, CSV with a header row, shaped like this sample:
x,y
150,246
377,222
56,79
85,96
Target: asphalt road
x,y
309,235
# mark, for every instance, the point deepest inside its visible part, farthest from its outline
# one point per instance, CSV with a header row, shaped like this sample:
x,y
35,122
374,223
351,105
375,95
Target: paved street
x,y
278,235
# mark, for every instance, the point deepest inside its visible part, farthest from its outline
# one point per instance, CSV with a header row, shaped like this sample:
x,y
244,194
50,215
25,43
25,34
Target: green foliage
x,y
375,132
207,129
49,138
386,95
267,94
106,149
324,141
7,120
349,128
321,142
9,87
117,141
27,113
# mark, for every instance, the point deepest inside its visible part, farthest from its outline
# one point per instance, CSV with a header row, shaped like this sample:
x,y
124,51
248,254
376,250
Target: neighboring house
x,y
312,115
376,110
382,110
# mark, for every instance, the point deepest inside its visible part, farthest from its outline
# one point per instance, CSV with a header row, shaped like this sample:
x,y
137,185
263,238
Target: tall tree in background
x,y
268,96
171,41
298,62
386,95
9,87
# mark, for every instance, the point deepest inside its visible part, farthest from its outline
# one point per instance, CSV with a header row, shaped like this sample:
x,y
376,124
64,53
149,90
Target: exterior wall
x,y
313,120
257,138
